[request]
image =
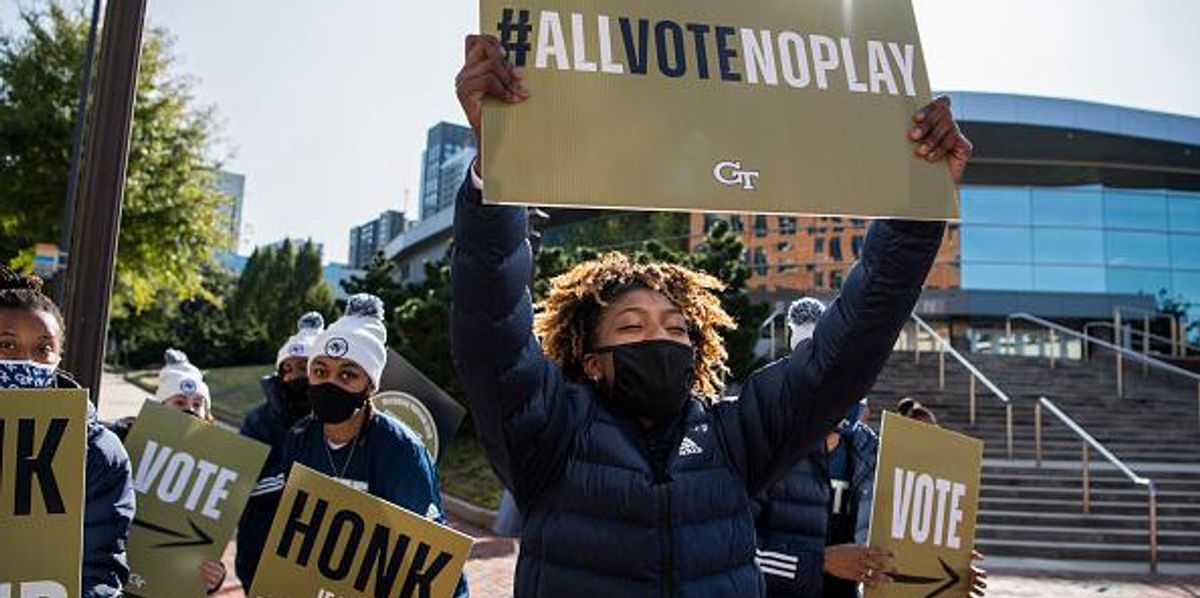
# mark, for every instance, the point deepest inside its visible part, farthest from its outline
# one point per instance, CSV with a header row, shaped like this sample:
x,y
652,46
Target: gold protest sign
x,y
926,501
331,540
192,480
764,107
43,436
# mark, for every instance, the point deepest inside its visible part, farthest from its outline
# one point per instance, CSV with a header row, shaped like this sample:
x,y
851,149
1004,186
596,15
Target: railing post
x,y
1008,416
1145,345
917,344
1008,338
1153,500
942,369
1053,347
1037,432
1087,480
1119,341
972,399
1175,338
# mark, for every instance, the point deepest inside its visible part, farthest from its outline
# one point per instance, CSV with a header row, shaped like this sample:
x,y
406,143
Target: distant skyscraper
x,y
447,148
370,238
233,186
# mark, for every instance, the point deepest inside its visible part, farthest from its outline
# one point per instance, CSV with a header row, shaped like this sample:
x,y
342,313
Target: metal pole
x,y
1119,341
1053,347
1145,344
1087,481
972,399
1037,432
68,221
1153,499
1174,337
1008,416
96,227
942,369
917,343
1008,337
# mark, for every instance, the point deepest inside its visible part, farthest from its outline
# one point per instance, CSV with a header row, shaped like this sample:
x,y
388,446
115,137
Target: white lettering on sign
x,y
172,474
839,495
920,509
33,589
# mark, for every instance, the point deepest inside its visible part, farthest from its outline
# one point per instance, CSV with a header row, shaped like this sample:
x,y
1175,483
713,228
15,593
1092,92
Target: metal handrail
x,y
1119,351
944,347
1088,440
1156,337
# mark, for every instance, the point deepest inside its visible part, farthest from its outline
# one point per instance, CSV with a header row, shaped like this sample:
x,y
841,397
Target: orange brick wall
x,y
808,258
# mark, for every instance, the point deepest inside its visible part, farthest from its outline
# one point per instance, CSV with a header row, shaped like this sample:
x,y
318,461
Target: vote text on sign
x,y
760,106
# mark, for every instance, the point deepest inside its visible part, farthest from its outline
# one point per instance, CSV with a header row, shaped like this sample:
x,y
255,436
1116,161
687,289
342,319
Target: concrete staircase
x,y
1033,512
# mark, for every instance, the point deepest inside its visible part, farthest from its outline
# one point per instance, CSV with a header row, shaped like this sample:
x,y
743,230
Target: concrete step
x,y
1097,494
1089,520
1103,507
1183,538
1134,551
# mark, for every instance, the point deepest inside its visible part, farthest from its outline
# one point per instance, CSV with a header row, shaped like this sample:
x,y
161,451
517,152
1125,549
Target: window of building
x,y
819,245
856,243
787,225
1067,246
760,261
835,248
1127,249
835,281
760,226
1133,210
710,220
995,205
997,244
1184,212
785,262
1068,207
736,223
819,280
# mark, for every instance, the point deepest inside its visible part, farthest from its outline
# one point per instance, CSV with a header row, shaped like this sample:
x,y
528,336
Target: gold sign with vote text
x,y
43,436
329,540
926,500
764,106
192,480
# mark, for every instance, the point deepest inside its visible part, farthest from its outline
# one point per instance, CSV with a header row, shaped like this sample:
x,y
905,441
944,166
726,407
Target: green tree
x,y
172,219
276,287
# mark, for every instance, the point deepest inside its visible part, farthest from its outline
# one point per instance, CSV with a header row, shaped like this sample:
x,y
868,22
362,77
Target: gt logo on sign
x,y
730,173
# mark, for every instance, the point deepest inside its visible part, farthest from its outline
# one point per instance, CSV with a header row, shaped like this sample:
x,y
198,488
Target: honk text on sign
x,y
329,540
771,107
42,452
192,480
926,499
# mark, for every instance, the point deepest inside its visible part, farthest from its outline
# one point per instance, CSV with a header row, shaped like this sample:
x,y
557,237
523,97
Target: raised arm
x,y
514,391
786,407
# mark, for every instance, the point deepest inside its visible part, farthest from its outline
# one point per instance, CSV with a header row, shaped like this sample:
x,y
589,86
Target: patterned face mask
x,y
26,374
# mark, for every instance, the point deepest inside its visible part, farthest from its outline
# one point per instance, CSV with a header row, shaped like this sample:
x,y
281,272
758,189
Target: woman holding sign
x,y
602,414
31,347
181,387
345,438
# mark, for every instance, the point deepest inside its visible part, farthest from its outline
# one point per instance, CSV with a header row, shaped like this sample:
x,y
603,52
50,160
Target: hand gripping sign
x,y
192,480
926,500
765,107
42,452
331,541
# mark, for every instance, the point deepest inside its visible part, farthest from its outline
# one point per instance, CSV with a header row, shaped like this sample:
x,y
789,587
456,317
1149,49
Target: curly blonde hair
x,y
567,318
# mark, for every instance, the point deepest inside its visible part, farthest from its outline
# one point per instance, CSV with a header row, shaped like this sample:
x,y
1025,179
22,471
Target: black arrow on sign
x,y
197,538
951,580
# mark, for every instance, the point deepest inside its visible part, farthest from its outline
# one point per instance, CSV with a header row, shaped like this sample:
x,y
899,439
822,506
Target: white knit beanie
x,y
308,328
180,377
358,336
802,318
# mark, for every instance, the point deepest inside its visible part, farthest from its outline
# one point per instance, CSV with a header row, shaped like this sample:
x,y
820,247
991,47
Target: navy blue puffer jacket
x,y
793,517
601,521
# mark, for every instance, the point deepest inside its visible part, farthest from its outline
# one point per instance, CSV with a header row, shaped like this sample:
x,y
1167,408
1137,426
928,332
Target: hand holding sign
x,y
939,137
856,562
486,72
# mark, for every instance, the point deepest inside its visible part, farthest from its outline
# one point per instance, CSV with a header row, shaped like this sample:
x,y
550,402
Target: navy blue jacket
x,y
601,520
793,517
108,508
387,461
268,423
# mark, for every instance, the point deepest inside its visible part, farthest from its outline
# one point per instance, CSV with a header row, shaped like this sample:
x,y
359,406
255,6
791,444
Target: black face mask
x,y
652,379
332,404
192,413
295,398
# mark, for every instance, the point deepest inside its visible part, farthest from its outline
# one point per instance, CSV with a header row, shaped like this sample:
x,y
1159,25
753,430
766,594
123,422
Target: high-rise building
x,y
449,149
370,238
233,186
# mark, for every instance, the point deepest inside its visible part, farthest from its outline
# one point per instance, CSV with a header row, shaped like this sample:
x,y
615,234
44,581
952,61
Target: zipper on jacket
x,y
668,535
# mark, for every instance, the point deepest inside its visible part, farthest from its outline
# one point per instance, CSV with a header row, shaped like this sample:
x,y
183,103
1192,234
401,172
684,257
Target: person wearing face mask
x,y
181,387
813,524
601,414
344,437
286,393
31,347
